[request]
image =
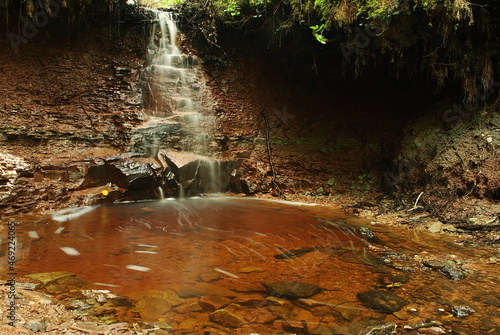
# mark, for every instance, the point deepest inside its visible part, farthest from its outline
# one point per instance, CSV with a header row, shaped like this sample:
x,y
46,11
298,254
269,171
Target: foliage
x,y
444,41
159,3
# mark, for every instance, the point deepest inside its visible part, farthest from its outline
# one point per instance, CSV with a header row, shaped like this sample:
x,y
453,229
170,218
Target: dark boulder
x,y
382,301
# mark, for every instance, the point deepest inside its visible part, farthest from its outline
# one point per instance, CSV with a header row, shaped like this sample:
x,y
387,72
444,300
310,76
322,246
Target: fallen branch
x,y
268,144
415,206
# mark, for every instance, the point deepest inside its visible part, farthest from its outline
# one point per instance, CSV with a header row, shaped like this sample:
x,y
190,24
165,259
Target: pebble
x,y
432,331
461,311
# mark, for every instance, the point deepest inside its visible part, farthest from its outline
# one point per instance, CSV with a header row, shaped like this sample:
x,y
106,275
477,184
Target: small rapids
x,y
256,266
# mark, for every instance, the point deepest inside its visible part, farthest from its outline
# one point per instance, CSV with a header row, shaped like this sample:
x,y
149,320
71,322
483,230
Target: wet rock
x,y
445,268
255,329
212,302
96,175
251,269
358,257
461,311
259,316
209,275
349,310
226,318
368,235
291,289
382,301
217,331
188,324
198,174
153,308
160,325
48,277
188,307
135,175
295,253
54,288
362,327
432,331
392,256
277,301
201,289
144,139
250,300
301,323
452,273
295,326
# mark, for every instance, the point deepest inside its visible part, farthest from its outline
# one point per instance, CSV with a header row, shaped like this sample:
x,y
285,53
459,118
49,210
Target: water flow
x,y
273,267
178,106
174,89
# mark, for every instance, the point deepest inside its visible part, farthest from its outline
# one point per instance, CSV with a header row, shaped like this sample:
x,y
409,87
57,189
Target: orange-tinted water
x,y
232,243
176,241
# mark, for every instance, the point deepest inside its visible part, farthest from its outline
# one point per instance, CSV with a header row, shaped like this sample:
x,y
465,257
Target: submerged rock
x,y
48,277
461,311
227,318
446,269
212,303
382,301
368,235
361,327
201,289
291,289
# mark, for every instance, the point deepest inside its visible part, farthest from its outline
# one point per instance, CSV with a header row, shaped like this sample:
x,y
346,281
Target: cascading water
x,y
178,106
173,86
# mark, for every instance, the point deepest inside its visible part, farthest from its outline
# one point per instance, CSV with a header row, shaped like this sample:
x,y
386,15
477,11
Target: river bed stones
x,y
213,302
361,327
382,301
461,311
227,318
291,289
445,268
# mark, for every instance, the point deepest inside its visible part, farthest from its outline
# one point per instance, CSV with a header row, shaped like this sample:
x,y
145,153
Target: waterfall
x,y
178,105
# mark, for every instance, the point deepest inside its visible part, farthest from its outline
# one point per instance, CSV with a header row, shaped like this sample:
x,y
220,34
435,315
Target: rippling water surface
x,y
234,248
